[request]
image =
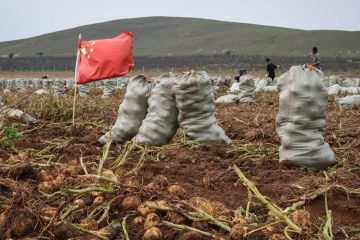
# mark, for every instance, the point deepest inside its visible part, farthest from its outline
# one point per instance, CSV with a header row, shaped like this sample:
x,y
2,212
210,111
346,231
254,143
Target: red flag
x,y
105,58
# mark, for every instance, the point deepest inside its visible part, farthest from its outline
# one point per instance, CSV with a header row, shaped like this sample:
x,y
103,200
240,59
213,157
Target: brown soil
x,y
202,170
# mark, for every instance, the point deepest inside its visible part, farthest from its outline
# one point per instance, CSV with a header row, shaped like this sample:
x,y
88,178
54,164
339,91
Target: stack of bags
x,y
151,114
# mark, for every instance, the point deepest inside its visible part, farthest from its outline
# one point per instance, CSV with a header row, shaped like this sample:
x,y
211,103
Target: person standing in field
x,y
270,69
315,59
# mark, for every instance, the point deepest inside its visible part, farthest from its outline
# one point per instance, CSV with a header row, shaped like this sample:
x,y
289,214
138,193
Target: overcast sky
x,y
27,18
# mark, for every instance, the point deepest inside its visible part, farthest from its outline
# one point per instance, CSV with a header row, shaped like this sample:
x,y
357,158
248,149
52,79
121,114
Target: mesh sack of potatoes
x,y
300,122
2,85
37,83
109,88
11,83
84,90
47,83
122,82
357,82
333,80
20,85
2,104
161,123
246,88
131,112
69,83
195,102
59,87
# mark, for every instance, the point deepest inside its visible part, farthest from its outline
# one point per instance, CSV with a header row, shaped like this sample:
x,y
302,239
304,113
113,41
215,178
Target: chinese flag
x,y
104,58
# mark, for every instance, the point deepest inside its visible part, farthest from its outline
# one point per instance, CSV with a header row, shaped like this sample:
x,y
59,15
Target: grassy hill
x,y
173,36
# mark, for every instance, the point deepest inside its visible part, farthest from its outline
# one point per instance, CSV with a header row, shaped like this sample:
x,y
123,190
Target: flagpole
x,y
75,78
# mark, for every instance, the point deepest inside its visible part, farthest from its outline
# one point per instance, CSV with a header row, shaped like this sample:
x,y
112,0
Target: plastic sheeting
x,y
230,98
300,121
160,124
41,92
195,102
334,89
235,87
270,89
15,113
348,101
261,84
132,111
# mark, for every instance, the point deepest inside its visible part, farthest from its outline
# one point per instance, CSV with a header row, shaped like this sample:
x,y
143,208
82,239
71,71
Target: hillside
x,y
173,36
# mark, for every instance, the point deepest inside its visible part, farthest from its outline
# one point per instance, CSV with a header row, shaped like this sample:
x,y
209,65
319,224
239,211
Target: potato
x,y
130,203
23,226
238,231
176,191
152,233
108,232
191,236
240,220
138,220
152,186
144,210
302,218
57,184
3,219
278,237
98,200
151,220
45,176
96,194
203,204
72,171
161,182
131,183
47,213
80,203
89,224
45,187
175,217
161,203
109,174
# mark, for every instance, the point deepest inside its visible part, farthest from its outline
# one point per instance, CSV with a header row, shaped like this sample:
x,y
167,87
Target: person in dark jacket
x,y
270,69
